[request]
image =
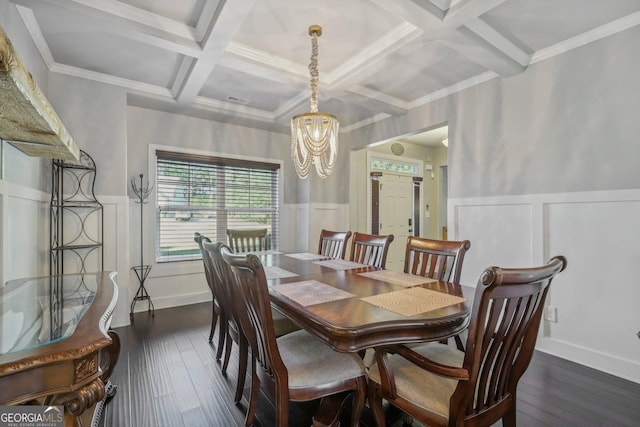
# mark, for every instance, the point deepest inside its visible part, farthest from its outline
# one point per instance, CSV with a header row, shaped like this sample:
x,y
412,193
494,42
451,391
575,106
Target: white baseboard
x,y
167,302
627,369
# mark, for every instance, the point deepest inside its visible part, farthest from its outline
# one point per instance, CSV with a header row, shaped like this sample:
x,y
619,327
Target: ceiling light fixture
x,y
445,141
314,135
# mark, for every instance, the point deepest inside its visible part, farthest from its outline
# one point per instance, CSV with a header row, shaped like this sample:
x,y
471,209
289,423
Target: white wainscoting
x,y
25,232
25,238
302,223
116,252
334,217
597,296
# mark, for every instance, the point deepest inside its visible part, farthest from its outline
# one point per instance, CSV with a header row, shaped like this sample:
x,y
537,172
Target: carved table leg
x,y
76,402
328,413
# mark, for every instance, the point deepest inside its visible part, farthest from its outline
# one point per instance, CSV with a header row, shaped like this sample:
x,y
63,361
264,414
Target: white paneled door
x,y
396,211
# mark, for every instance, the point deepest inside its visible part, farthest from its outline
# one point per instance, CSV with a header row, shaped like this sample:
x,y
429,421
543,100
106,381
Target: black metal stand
x,y
142,270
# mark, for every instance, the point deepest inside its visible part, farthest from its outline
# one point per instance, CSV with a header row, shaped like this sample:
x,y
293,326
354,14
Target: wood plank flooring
x,y
167,375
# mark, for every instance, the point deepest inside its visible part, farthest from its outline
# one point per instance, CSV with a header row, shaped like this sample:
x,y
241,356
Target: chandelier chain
x,y
313,72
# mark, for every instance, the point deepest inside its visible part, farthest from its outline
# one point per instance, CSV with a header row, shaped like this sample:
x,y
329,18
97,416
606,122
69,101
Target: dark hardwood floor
x,y
167,375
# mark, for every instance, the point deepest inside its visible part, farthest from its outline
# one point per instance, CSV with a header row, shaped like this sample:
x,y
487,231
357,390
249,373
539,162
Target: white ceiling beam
x,y
138,24
386,103
465,11
34,30
487,33
419,14
504,57
263,64
478,46
228,18
480,42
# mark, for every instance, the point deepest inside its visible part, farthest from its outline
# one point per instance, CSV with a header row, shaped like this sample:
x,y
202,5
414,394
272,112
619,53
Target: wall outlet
x,y
551,314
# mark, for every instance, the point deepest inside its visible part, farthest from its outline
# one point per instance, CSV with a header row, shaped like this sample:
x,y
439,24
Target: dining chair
x,y
215,306
440,385
333,244
297,366
229,329
370,249
436,259
253,240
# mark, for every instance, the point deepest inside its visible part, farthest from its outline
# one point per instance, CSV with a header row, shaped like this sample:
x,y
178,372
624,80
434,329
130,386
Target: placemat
x,y
412,301
306,256
340,264
310,292
266,252
397,278
273,272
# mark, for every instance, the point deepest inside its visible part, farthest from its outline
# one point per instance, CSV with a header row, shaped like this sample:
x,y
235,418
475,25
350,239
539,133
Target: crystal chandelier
x,y
314,135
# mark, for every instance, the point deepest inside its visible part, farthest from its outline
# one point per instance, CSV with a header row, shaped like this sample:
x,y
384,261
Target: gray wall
x,y
95,115
569,123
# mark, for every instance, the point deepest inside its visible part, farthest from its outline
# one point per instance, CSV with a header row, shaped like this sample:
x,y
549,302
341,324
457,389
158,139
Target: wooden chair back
x,y
370,249
255,317
220,276
436,259
200,239
505,319
333,243
506,315
247,240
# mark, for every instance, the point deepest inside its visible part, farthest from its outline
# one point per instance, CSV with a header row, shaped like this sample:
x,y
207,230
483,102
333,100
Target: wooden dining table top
x,y
352,324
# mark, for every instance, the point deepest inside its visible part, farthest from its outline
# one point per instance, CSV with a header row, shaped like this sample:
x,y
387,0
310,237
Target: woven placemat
x,y
340,264
397,278
310,292
412,301
273,272
306,256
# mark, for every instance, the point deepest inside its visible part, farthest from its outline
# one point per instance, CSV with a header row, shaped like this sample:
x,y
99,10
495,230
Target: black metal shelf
x,y
76,216
76,247
75,204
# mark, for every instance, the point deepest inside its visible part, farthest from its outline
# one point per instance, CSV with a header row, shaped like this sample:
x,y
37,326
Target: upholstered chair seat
x,y
419,386
311,362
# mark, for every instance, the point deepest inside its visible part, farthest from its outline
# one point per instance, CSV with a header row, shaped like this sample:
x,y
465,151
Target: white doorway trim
x,y
419,167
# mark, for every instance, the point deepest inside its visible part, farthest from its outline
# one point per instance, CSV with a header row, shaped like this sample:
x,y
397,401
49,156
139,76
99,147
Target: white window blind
x,y
208,195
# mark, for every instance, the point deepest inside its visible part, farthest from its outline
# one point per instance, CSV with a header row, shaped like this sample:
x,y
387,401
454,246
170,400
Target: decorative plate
x,y
397,148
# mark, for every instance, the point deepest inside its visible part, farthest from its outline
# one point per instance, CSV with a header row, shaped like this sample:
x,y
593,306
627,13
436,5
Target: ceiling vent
x,y
236,100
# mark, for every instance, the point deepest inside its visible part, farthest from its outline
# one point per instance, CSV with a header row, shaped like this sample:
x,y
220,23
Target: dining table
x,y
354,307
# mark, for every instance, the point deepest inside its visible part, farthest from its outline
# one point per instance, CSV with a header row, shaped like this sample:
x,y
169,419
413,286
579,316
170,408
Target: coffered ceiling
x,y
245,61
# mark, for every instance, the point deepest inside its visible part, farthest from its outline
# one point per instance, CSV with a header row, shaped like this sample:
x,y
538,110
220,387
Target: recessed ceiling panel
x,y
420,68
236,87
88,43
542,23
347,112
183,11
280,28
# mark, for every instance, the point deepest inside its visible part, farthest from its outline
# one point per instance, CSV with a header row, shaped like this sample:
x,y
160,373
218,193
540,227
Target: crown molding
x,y
30,22
362,123
133,85
598,33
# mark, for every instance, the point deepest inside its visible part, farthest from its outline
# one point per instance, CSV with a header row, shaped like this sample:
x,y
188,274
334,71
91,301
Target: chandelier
x,y
314,135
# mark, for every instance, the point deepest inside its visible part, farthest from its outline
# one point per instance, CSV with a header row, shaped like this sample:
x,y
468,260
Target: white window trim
x,y
173,268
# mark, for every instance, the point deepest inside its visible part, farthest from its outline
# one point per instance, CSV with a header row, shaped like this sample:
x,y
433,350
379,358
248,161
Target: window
x,y
393,166
208,195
